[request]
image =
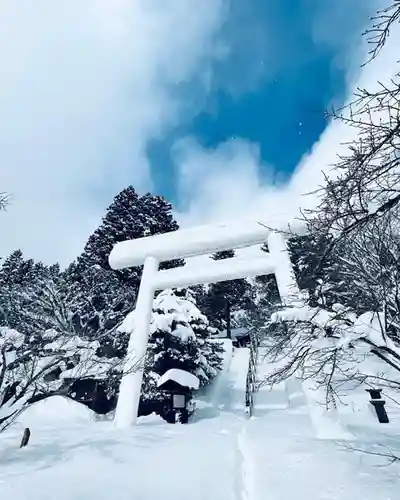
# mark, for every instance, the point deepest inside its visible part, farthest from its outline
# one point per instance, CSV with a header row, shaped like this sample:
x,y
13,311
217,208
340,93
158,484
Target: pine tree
x,y
239,294
123,220
180,338
317,269
127,218
97,303
23,285
98,297
173,342
211,349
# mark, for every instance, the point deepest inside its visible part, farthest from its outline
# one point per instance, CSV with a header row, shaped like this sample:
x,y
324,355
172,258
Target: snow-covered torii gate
x,y
184,243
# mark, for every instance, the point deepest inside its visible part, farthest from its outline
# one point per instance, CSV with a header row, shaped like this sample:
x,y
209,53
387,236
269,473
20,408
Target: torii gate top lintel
x,y
194,241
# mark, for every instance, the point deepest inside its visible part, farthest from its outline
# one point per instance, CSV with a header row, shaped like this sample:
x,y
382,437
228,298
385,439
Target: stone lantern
x,y
379,404
179,384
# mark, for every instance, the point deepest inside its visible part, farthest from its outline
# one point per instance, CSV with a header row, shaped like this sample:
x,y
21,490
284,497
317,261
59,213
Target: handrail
x,y
251,374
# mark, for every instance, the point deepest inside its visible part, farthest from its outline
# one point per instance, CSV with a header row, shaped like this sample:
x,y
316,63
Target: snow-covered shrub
x,y
32,368
337,348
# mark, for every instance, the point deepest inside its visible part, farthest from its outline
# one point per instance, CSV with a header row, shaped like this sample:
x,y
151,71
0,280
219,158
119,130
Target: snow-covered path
x,y
156,461
79,459
222,455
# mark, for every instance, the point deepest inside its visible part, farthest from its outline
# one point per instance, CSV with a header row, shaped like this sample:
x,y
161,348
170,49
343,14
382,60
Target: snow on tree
x,y
35,298
224,296
97,303
336,348
210,349
349,260
179,339
34,368
97,298
23,285
128,217
369,267
353,285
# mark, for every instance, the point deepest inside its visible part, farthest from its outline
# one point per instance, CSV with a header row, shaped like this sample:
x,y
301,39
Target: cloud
x,y
206,190
226,182
84,85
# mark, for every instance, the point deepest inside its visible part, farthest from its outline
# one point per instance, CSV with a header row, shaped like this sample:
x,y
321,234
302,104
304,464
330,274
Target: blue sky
x,y
213,104
272,88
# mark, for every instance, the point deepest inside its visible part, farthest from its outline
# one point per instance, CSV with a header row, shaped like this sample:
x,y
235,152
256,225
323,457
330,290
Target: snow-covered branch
x,y
334,348
31,369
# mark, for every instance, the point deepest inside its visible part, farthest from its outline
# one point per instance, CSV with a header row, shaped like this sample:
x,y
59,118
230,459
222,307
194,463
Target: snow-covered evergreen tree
x,y
210,348
97,303
128,217
23,286
236,294
98,297
180,338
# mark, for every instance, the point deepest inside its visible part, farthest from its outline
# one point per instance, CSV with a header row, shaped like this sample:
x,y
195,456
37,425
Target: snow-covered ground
x,y
309,453
220,455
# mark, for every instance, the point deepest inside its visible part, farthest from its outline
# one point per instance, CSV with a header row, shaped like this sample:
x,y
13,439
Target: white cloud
x,y
225,183
84,84
214,183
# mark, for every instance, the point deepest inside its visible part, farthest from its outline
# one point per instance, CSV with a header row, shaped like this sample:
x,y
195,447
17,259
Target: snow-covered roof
x,y
181,377
235,332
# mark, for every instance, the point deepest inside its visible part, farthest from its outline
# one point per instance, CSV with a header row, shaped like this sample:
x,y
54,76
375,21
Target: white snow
x,y
11,337
369,325
53,410
220,455
214,271
227,392
326,422
129,391
181,377
95,368
196,241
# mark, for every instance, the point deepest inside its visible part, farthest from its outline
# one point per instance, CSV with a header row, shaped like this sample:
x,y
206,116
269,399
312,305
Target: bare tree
x,y
382,24
331,347
360,206
366,181
34,368
369,266
368,178
390,455
4,199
